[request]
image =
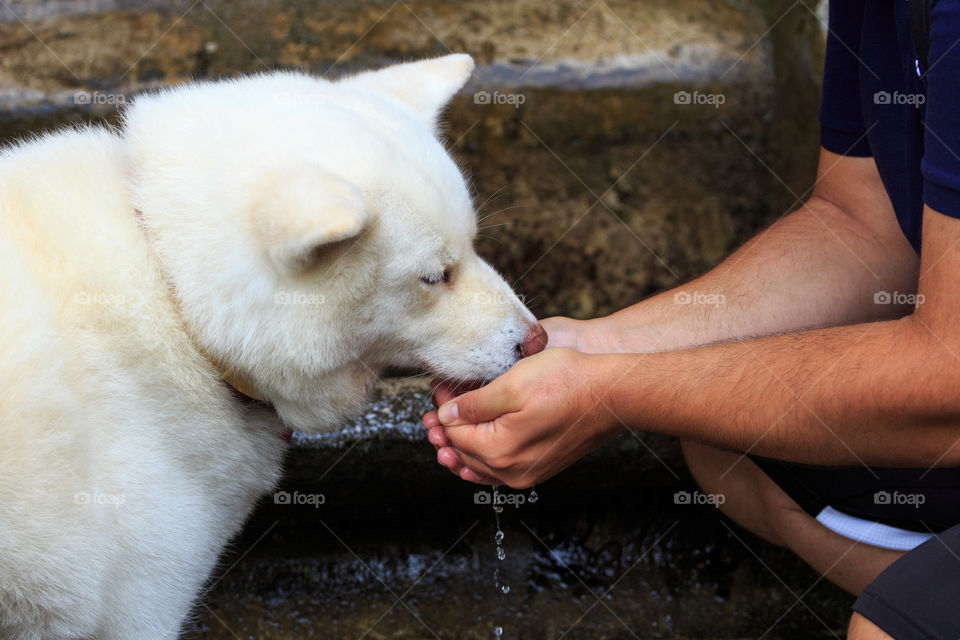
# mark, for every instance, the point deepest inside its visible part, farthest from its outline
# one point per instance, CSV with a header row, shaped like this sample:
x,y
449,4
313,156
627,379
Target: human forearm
x,y
814,268
820,266
880,393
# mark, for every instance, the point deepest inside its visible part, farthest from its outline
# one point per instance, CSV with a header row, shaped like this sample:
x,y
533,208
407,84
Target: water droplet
x,y
533,494
501,554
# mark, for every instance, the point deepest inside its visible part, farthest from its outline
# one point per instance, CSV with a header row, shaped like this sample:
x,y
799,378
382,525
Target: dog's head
x,y
316,232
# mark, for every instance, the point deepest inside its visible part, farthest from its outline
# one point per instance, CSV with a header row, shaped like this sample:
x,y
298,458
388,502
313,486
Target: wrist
x,y
623,334
606,373
599,335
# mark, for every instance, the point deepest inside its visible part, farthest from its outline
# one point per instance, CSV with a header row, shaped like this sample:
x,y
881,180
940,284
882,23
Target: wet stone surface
x,y
581,565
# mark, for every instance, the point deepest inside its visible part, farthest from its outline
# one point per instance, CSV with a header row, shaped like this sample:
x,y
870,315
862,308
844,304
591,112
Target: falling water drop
x,y
501,554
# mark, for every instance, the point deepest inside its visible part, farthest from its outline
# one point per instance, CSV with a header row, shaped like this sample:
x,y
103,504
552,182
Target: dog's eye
x,y
437,279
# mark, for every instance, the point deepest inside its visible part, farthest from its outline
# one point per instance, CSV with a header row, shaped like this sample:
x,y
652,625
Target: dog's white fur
x,y
282,229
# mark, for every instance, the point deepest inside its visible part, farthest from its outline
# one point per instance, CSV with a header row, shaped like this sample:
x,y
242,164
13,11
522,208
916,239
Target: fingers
x,y
472,476
438,437
478,469
483,405
449,458
468,439
430,420
442,392
445,390
468,409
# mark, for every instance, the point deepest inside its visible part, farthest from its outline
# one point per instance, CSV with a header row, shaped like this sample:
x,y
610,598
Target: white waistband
x,y
879,535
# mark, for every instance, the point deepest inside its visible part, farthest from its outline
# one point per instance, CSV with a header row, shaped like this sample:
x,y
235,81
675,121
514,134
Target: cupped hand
x,y
443,392
589,336
561,332
532,422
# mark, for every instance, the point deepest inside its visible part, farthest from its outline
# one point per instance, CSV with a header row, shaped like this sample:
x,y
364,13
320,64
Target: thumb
x,y
482,405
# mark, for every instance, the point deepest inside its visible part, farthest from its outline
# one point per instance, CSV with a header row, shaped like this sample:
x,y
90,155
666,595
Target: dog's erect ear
x,y
304,210
426,86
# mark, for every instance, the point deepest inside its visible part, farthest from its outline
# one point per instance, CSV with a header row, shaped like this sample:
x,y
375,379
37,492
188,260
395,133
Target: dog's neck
x,y
234,379
237,381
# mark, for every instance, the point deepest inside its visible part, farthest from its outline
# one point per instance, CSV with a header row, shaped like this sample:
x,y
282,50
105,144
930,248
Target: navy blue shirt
x,y
878,102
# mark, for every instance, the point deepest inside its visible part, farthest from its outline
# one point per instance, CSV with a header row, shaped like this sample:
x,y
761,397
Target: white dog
x,y
288,235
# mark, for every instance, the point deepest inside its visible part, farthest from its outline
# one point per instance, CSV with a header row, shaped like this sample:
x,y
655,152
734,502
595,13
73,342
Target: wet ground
x,y
645,570
378,542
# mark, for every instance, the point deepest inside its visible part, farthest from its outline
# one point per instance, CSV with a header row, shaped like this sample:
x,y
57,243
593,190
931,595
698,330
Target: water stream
x,y
502,588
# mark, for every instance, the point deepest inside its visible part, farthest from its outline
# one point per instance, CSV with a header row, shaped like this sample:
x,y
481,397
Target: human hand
x,y
590,336
545,413
561,332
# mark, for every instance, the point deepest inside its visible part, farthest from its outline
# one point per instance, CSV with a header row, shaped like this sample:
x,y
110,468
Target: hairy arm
x,y
819,266
875,393
878,393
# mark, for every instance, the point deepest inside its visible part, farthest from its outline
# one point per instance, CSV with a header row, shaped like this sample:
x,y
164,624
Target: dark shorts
x,y
918,596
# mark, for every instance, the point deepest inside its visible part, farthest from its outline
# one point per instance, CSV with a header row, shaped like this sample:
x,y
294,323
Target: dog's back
x,y
109,418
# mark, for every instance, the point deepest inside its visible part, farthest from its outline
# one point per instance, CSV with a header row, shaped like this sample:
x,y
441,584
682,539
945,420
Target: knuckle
x,y
467,408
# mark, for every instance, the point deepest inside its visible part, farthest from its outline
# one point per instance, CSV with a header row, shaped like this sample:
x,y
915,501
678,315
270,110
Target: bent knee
x,y
750,497
862,629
